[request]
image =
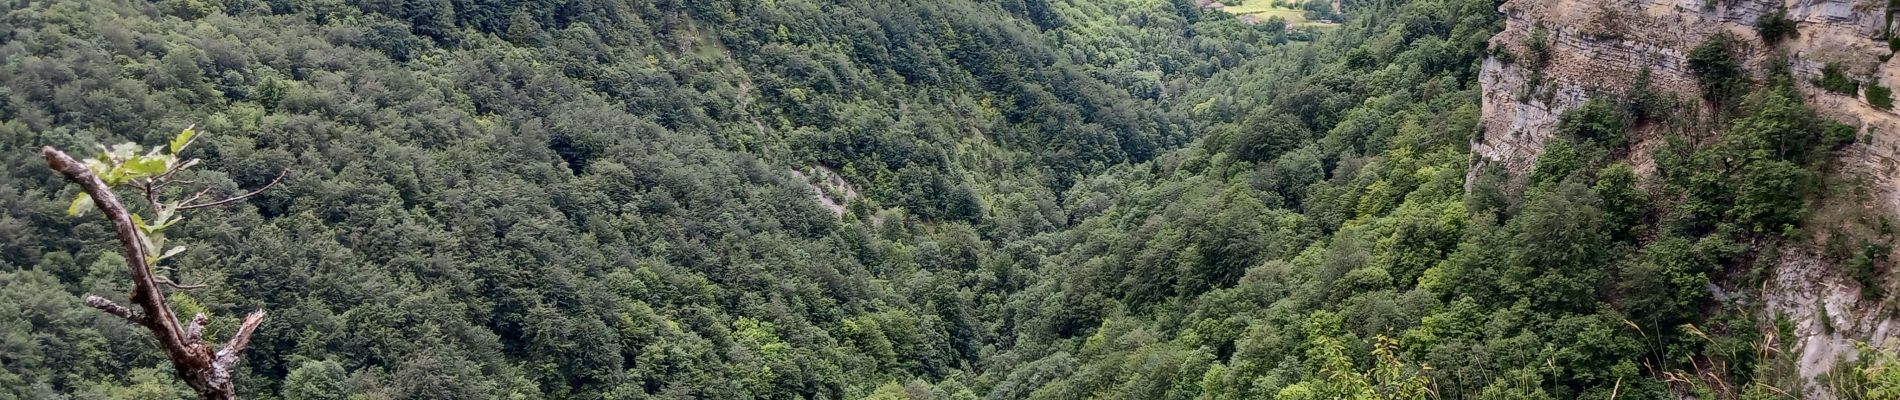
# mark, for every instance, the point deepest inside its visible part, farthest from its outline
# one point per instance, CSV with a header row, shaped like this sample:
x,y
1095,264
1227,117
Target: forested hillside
x,y
1049,199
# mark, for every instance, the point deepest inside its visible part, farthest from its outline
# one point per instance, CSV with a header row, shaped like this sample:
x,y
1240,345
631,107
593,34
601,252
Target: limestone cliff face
x,y
1600,47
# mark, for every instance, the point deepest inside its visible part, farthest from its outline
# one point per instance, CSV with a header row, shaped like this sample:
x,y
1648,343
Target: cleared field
x,y
1264,9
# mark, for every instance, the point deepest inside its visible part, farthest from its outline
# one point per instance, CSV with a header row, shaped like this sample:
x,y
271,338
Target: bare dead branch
x,y
151,195
166,177
267,186
227,355
175,285
194,196
194,333
115,309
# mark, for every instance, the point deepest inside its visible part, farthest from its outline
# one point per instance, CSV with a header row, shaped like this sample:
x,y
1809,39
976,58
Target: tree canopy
x,y
1048,199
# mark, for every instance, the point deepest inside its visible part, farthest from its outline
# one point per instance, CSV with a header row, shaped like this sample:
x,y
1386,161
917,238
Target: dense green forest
x,y
1061,199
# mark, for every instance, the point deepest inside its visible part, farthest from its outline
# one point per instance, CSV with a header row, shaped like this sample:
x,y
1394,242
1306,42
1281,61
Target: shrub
x,y
1538,44
1770,195
1504,55
1645,103
1713,62
1560,159
1597,121
1319,10
1624,203
1864,265
1833,79
1775,26
1835,134
1880,96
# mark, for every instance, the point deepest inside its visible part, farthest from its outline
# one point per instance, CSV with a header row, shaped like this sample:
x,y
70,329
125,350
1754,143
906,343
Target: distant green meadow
x,y
1265,9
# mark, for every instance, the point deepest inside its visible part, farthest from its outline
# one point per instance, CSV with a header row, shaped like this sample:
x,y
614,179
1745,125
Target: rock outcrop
x,y
829,189
1600,48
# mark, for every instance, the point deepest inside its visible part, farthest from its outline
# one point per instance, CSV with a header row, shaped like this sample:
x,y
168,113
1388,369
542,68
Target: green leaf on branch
x,y
81,203
98,166
183,139
159,225
145,166
149,245
124,151
172,252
